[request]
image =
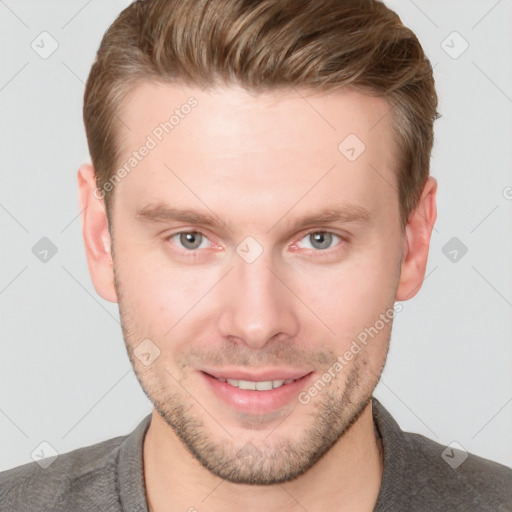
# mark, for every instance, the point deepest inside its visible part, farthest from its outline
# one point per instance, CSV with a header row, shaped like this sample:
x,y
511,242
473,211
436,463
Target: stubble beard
x,y
332,413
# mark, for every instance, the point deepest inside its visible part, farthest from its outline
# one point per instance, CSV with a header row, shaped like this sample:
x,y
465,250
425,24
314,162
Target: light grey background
x,y
65,377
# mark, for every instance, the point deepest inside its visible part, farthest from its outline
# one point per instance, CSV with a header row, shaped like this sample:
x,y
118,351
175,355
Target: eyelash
x,y
195,252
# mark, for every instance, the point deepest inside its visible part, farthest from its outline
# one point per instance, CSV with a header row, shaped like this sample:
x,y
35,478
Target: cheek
x,y
350,297
157,294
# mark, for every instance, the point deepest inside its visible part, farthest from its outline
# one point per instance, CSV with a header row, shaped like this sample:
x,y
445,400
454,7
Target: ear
x,y
416,242
96,234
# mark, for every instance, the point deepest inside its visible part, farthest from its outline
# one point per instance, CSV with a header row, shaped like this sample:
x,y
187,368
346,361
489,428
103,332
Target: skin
x,y
257,163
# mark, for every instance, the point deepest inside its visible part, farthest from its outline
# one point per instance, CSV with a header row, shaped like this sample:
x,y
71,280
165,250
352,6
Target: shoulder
x,y
453,461
456,478
423,475
73,477
454,458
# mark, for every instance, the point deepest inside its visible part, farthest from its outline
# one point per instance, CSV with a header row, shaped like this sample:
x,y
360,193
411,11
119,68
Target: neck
x,y
346,478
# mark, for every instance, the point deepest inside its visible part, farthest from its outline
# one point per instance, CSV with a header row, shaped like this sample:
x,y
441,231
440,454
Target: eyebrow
x,y
343,213
163,213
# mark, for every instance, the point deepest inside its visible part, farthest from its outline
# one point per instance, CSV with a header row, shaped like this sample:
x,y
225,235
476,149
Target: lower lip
x,y
253,401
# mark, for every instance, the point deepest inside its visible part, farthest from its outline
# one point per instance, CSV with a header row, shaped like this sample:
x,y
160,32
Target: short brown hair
x,y
263,45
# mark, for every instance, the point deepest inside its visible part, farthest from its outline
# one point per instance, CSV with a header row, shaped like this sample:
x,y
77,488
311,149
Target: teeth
x,y
266,385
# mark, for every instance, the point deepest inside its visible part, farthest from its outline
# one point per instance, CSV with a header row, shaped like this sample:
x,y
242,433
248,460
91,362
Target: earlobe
x,y
416,243
96,234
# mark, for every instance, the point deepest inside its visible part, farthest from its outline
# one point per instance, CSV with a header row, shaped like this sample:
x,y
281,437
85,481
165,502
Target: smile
x,y
260,394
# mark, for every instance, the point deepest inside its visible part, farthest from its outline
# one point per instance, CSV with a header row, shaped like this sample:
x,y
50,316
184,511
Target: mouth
x,y
256,393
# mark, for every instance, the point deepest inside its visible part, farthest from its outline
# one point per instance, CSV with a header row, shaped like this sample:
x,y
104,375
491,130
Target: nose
x,y
256,306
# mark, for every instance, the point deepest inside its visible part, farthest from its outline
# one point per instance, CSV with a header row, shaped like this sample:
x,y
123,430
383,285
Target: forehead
x,y
275,145
308,116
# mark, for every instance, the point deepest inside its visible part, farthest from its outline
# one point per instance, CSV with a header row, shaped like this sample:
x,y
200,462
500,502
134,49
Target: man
x,y
259,198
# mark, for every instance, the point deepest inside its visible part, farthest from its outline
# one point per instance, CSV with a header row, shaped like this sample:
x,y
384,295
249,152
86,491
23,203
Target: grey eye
x,y
191,240
321,240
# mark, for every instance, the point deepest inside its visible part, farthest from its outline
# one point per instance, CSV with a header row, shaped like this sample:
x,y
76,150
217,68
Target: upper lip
x,y
260,376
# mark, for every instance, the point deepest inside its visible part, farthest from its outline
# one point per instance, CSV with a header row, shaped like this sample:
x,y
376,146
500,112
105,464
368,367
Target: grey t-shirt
x,y
419,475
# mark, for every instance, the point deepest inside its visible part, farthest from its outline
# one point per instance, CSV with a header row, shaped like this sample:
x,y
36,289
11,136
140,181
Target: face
x,y
254,242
